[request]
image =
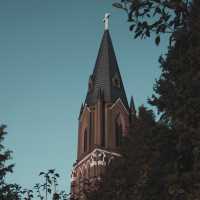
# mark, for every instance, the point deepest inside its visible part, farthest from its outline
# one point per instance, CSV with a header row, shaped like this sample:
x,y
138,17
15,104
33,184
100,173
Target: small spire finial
x,y
132,106
106,20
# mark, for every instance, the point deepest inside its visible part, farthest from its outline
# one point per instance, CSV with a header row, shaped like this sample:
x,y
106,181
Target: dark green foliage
x,y
48,188
177,89
7,191
177,92
5,155
155,16
178,100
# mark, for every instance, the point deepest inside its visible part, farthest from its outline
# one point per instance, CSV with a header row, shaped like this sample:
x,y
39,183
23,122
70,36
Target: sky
x,y
48,50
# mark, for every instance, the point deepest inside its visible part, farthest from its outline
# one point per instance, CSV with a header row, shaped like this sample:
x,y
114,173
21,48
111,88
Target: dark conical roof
x,y
106,76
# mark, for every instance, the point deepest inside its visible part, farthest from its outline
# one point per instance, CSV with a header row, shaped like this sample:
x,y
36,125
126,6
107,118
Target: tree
x,y
48,188
177,95
6,190
177,91
9,191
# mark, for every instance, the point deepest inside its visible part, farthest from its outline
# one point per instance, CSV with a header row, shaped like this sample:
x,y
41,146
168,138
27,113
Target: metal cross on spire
x,y
106,20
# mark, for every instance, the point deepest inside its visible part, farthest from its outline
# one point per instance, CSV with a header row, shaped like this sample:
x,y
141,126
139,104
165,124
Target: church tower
x,y
104,117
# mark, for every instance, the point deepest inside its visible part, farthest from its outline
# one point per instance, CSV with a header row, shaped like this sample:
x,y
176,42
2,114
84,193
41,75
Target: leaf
x,y
117,5
157,40
138,34
148,33
132,27
171,23
51,171
157,10
49,181
41,173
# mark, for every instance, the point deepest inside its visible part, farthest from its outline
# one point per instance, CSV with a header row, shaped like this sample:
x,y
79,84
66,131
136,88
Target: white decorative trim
x,y
95,158
86,107
119,100
93,153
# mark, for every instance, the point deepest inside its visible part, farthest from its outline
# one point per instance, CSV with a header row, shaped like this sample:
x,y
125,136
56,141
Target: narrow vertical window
x,y
103,139
85,140
118,134
103,131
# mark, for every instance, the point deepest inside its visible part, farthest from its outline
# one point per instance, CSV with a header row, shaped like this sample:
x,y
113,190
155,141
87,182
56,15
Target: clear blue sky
x,y
47,52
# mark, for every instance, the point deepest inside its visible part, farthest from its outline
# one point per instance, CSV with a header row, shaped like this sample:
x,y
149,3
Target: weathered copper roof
x,y
106,76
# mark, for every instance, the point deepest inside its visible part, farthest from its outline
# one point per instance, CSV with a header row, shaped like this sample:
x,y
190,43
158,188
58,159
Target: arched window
x,y
118,133
85,140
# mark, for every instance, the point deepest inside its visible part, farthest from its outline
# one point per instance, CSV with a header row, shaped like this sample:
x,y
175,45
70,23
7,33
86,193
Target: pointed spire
x,y
132,106
106,75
